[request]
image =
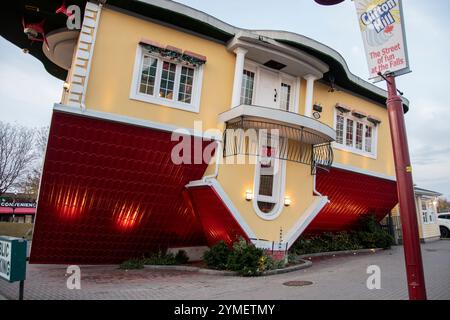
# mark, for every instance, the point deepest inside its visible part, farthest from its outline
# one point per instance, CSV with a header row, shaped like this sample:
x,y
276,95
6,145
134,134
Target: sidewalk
x,y
333,278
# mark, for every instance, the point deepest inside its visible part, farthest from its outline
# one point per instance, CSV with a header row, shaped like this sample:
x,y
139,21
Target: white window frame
x,y
429,214
353,149
279,185
282,77
194,106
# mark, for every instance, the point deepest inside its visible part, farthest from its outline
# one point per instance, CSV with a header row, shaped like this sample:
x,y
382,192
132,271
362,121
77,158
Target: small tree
x,y
17,154
30,183
443,205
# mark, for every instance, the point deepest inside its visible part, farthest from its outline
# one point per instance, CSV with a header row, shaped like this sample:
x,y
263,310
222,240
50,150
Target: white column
x,y
309,94
238,74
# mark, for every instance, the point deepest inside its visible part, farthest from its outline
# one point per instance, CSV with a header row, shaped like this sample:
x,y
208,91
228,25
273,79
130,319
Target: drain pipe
x,y
315,192
218,157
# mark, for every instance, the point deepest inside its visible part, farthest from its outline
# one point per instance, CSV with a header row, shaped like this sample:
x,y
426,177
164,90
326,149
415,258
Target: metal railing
x,y
243,137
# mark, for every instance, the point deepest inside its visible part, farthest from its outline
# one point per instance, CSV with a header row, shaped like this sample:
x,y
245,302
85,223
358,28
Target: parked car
x,y
444,224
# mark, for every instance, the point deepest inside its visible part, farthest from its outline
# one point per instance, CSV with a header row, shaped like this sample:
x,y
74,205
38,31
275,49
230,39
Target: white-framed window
x,y
269,180
285,96
166,82
424,211
248,87
428,211
355,134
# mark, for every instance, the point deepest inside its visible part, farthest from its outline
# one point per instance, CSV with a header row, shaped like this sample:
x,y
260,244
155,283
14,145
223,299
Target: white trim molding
x,y
299,227
278,189
350,168
135,94
238,76
352,149
306,218
280,116
310,79
213,183
134,121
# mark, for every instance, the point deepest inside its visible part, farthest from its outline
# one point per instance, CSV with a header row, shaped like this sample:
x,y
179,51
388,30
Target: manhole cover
x,y
297,283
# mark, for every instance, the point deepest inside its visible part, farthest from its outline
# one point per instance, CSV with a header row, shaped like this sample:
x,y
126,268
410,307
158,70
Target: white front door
x,y
268,91
275,90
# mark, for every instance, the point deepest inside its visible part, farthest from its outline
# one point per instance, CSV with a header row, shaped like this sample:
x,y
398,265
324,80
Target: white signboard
x,y
383,31
5,260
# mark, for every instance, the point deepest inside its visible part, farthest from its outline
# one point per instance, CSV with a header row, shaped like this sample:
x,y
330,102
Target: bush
x,y
244,258
161,259
181,257
247,260
132,264
369,234
217,256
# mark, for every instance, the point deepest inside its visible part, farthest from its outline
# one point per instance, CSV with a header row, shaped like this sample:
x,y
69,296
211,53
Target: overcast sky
x,y
28,91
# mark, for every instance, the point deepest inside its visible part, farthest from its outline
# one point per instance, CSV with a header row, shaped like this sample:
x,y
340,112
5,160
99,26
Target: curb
x,y
304,265
338,253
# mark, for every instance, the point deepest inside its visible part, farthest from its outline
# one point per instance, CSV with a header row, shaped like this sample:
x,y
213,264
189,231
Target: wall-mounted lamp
x,y
248,195
318,107
287,201
66,86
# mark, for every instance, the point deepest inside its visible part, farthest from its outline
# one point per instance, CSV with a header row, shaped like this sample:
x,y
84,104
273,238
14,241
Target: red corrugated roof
x,y
352,195
110,192
217,221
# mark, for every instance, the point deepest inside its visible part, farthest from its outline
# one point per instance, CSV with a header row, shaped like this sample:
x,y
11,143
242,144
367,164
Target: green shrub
x,y
160,258
181,257
217,256
368,234
132,264
247,260
371,235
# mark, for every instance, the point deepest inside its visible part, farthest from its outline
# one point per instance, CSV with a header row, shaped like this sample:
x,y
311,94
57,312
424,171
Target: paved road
x,y
333,278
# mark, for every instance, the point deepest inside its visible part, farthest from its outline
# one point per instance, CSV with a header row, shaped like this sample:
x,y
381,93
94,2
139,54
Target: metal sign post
x,y
383,32
13,261
405,190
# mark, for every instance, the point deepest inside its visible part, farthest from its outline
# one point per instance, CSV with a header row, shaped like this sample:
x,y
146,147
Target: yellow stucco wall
x,y
109,88
112,70
113,61
237,179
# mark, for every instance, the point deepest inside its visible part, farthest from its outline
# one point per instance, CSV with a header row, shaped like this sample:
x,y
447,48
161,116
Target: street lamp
x,y
403,168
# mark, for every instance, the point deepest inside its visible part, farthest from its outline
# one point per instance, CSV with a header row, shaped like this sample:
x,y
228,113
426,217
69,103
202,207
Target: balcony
x,y
302,139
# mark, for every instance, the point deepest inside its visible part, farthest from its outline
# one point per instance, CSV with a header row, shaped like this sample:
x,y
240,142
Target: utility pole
x,y
405,191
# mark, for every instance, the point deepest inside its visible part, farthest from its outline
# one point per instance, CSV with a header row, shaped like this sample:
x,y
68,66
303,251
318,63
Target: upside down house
x,y
137,72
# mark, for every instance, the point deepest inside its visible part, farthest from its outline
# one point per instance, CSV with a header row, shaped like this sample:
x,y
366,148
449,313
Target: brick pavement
x,y
333,278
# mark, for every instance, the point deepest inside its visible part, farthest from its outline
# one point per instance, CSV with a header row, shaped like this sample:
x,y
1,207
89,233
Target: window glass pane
x,y
266,185
340,129
248,81
359,135
285,98
186,84
424,217
266,207
424,205
148,75
349,136
167,80
368,139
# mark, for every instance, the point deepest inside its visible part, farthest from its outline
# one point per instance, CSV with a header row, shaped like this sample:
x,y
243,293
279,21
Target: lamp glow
x,y
287,201
248,195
